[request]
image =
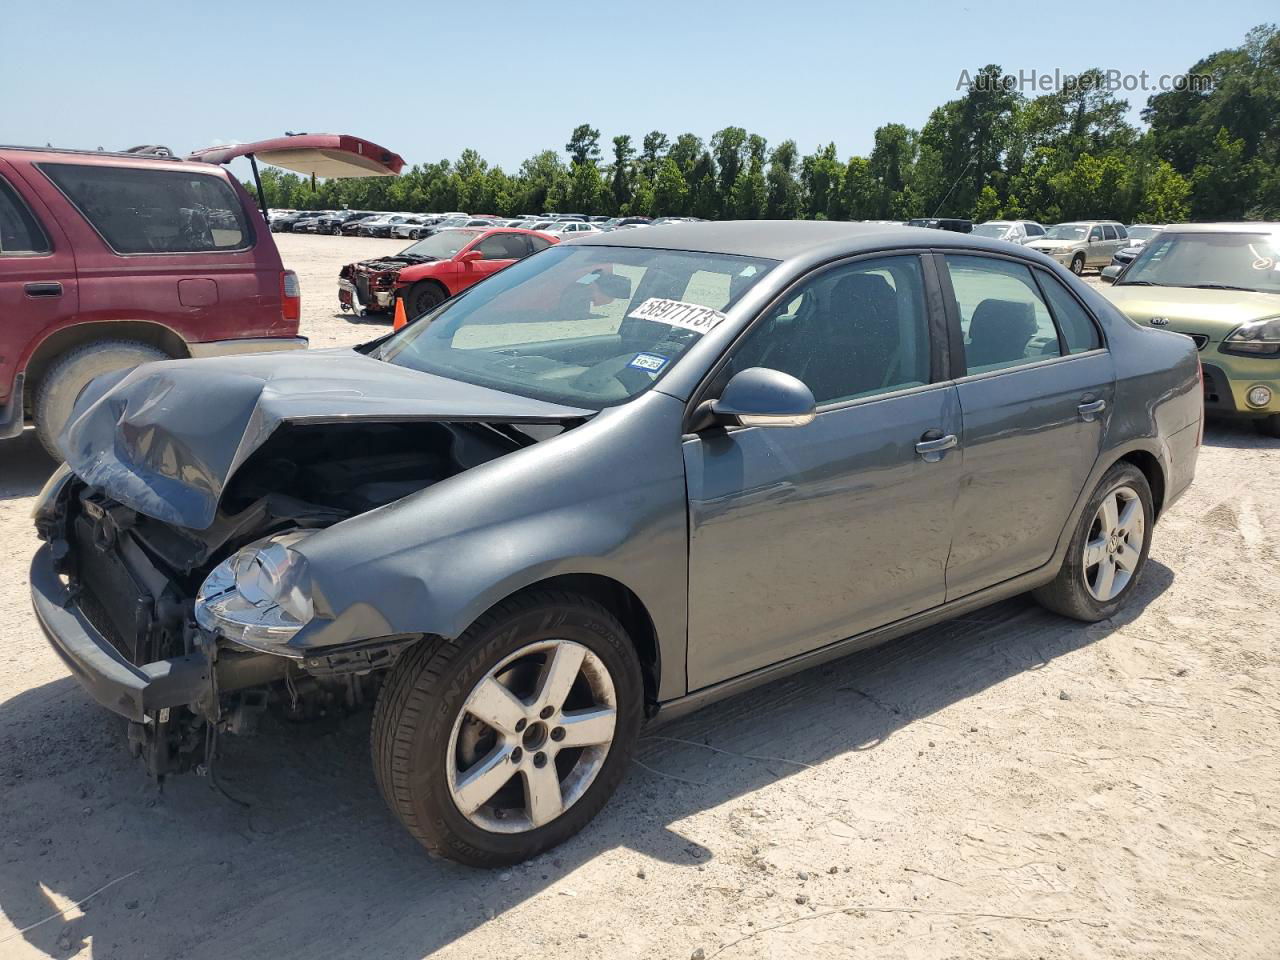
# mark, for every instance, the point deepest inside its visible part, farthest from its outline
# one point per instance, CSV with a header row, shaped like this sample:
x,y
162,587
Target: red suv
x,y
108,260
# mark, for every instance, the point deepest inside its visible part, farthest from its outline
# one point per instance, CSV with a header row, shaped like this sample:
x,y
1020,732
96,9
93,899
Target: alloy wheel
x,y
531,737
1114,546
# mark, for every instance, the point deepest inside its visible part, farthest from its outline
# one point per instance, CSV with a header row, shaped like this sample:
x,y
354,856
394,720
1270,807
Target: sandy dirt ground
x,y
1010,785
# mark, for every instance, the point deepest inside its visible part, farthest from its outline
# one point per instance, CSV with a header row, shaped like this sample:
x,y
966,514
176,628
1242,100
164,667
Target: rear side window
x,y
140,210
1109,233
1002,315
20,234
538,243
1077,329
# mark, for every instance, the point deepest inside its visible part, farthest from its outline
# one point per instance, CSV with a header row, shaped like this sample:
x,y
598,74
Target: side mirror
x,y
759,397
471,256
1110,272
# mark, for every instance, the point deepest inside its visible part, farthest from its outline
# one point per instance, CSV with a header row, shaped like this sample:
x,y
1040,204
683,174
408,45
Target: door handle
x,y
51,289
931,448
1089,411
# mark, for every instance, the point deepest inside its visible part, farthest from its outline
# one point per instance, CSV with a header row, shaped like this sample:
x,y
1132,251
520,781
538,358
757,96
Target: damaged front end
x,y
370,285
177,614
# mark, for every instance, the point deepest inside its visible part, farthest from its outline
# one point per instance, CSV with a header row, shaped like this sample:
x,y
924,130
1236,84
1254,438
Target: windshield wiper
x,y
1222,286
1139,283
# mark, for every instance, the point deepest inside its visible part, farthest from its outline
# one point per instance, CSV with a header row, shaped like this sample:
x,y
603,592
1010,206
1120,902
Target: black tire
x,y
1068,594
65,380
1268,426
422,297
425,692
1077,264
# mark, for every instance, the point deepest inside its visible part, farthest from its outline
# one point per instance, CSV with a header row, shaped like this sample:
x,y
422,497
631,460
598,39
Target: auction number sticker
x,y
677,313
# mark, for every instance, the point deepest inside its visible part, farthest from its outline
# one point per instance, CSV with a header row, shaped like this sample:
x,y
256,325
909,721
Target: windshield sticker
x,y
648,362
677,313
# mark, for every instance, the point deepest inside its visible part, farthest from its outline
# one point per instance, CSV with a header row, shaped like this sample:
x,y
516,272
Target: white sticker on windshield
x,y
677,313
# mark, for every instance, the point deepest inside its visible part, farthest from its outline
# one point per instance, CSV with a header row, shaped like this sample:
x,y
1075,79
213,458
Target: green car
x,y
1218,283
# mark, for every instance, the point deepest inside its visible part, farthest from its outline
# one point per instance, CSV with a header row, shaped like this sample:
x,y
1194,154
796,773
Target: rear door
x,y
1035,393
38,289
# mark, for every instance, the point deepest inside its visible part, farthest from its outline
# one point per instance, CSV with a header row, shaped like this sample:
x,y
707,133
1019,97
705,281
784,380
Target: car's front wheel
x,y
1108,552
423,296
1077,264
498,745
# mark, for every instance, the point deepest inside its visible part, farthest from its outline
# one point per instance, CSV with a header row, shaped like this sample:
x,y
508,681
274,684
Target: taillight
x,y
290,296
1200,378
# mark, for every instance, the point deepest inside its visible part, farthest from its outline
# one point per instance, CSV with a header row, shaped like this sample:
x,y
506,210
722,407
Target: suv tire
x,y
1077,264
1082,595
427,725
65,380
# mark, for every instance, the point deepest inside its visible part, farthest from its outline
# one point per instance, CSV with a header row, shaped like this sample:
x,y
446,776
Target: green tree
x,y
584,144
653,149
669,191
620,181
782,190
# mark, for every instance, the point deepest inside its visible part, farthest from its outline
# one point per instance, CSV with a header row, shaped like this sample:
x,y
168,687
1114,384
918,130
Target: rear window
x,y
20,235
139,210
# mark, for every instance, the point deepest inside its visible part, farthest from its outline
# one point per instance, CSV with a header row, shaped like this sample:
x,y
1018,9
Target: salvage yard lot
x,y
1011,784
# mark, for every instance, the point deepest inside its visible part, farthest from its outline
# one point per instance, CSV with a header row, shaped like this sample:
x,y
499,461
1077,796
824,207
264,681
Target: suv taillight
x,y
290,296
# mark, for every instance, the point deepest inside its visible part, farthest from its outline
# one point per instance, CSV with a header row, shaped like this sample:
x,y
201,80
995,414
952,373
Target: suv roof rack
x,y
152,151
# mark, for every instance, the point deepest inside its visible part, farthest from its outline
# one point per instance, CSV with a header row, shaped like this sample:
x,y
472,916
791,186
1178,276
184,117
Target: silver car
x,y
1014,231
1083,244
618,480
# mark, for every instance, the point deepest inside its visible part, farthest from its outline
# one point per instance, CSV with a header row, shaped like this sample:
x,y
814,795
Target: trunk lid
x,y
326,155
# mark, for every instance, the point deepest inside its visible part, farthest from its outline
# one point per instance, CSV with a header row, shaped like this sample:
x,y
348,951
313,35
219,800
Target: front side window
x,y
1095,234
20,234
503,246
1003,318
1034,230
854,331
145,210
589,326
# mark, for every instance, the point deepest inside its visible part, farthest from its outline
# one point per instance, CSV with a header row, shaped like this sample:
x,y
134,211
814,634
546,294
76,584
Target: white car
x,y
1015,231
568,229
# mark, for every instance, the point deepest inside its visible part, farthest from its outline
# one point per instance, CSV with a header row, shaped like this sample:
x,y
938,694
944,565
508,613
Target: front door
x,y
1036,398
803,536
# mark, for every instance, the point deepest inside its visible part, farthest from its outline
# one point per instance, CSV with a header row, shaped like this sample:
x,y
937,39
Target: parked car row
x,y
416,226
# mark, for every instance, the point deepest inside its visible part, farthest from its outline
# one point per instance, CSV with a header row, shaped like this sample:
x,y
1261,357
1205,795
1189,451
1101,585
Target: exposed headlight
x,y
1256,338
260,596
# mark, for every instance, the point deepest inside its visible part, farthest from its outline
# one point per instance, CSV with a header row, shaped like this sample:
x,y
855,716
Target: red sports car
x,y
434,269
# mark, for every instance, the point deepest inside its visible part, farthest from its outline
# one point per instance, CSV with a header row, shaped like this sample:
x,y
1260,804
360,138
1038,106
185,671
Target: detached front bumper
x,y
131,691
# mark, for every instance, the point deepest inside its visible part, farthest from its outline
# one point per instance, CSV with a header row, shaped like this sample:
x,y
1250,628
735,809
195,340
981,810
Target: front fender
x,y
606,498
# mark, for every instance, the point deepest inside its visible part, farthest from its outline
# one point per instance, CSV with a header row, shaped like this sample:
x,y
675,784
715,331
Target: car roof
x,y
785,239
1252,226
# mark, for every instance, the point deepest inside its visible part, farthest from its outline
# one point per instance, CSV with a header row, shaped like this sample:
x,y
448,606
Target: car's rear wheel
x,y
1268,426
1108,552
1077,264
505,742
66,379
423,296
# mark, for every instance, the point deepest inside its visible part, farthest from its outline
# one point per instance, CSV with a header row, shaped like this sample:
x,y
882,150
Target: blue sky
x,y
512,78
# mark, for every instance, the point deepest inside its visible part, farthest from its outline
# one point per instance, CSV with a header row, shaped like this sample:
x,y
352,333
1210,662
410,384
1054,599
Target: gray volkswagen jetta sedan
x,y
620,479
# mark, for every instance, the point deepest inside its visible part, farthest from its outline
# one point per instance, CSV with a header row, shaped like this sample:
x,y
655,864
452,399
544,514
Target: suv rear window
x,y
20,235
138,210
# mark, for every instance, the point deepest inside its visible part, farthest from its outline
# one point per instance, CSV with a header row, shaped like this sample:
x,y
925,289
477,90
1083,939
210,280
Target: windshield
x,y
588,326
1142,233
1242,261
1066,231
441,245
997,230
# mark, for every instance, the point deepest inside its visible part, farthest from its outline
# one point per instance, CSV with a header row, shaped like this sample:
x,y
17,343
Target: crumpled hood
x,y
165,438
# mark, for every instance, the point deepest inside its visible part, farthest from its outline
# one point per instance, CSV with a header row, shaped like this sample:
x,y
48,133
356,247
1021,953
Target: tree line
x,y
1206,154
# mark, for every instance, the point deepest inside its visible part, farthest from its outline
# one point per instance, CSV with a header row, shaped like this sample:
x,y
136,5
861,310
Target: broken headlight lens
x,y
260,596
